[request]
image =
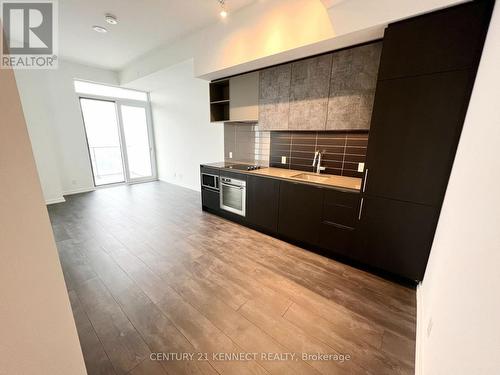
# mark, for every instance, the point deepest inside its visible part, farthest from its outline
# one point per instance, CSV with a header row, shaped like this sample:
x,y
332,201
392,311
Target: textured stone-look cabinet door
x,y
309,93
274,97
352,87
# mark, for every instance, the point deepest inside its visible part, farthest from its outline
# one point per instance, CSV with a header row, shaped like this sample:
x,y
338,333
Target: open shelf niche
x,y
219,100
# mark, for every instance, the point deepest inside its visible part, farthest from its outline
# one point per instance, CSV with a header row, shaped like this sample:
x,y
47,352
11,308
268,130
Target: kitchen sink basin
x,y
311,177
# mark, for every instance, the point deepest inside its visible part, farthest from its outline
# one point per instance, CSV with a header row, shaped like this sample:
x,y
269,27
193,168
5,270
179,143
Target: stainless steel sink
x,y
311,177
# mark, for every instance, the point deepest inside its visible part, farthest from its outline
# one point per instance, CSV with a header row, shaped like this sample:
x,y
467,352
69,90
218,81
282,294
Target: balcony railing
x,y
107,164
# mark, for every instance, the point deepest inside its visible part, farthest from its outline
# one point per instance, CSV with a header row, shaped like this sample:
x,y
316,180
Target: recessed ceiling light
x,y
112,20
100,29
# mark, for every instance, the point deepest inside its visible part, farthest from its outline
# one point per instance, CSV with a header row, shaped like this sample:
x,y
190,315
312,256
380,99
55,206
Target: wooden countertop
x,y
341,182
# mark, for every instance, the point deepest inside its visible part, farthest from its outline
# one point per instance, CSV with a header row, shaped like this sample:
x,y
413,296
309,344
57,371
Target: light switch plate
x,y
283,160
230,155
361,167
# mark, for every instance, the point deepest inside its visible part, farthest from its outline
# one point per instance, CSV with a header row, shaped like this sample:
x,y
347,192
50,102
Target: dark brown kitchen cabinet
x,y
300,208
210,193
263,202
416,124
397,236
427,71
338,221
210,199
340,207
337,239
446,40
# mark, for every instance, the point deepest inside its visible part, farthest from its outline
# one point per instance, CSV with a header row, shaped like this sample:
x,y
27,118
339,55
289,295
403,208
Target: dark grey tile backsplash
x,y
246,143
342,151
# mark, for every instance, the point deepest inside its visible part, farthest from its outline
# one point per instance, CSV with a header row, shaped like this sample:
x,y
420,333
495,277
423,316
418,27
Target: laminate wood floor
x,y
148,272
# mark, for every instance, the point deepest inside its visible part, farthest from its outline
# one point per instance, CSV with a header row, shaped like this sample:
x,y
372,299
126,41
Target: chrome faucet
x,y
317,157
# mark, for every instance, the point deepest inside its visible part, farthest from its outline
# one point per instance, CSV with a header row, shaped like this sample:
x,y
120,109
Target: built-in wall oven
x,y
233,195
210,181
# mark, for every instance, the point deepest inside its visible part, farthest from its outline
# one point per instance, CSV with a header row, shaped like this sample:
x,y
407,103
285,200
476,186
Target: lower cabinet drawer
x,y
337,239
210,199
340,207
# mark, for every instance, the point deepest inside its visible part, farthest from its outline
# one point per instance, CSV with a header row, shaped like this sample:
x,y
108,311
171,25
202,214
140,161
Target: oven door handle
x,y
233,186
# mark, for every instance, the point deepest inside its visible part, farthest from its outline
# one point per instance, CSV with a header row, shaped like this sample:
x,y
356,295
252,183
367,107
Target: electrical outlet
x,y
230,155
73,182
283,160
361,167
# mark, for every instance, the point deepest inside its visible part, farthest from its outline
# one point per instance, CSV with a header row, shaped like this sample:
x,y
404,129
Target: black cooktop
x,y
242,167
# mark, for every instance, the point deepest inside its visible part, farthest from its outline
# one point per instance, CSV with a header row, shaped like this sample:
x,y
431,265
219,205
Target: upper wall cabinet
x,y
235,99
352,87
441,41
327,92
274,96
309,93
244,98
416,123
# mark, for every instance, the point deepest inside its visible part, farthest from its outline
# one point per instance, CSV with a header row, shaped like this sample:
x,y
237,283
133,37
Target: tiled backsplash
x,y
247,144
342,151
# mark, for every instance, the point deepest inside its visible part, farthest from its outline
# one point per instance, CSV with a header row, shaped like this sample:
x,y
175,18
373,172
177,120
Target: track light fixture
x,y
223,11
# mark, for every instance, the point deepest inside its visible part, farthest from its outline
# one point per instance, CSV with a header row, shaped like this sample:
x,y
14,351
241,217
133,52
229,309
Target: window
x,y
90,88
119,133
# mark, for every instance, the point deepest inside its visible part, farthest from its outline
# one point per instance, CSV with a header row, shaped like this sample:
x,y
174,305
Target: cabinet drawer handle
x,y
360,208
366,178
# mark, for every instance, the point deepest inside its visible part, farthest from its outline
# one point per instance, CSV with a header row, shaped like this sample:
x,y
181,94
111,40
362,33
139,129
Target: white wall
x,y
275,31
56,128
261,29
37,106
37,330
76,174
459,298
264,29
184,136
161,58
348,16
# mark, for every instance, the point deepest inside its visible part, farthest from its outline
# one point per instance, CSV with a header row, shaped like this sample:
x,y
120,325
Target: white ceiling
x,y
143,25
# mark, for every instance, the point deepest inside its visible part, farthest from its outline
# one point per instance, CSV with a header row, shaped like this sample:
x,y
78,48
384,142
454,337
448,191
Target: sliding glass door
x,y
119,137
136,135
103,138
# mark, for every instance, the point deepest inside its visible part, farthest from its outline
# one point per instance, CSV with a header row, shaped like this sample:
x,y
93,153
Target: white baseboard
x,y
55,200
197,189
420,331
78,191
